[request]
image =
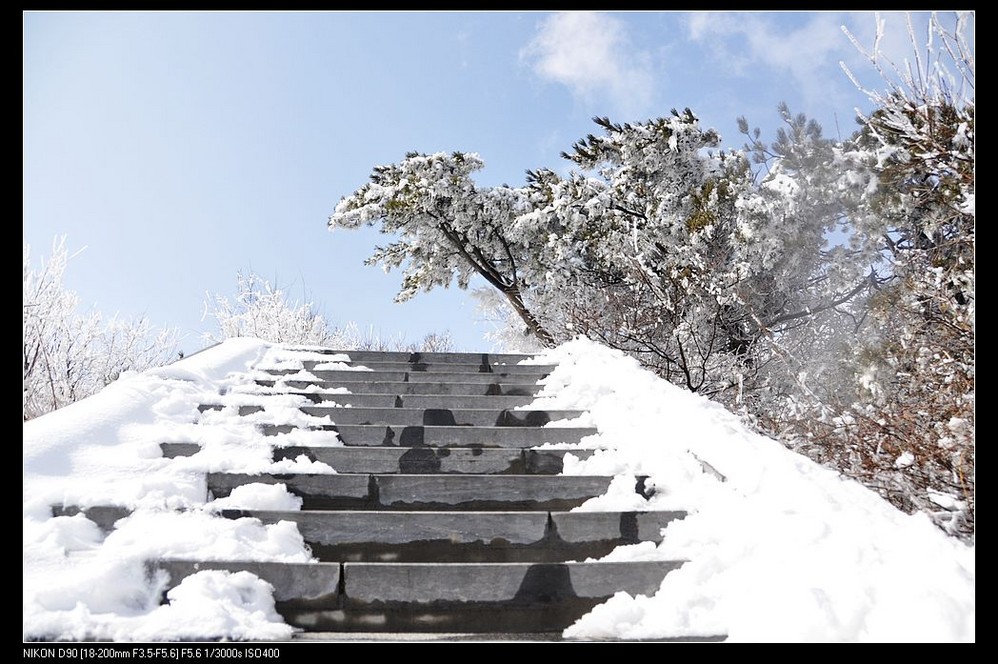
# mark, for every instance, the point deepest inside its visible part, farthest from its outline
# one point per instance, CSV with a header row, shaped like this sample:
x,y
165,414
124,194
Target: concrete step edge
x,y
416,460
449,356
429,492
485,637
502,530
503,388
430,367
338,377
501,417
513,584
445,436
394,400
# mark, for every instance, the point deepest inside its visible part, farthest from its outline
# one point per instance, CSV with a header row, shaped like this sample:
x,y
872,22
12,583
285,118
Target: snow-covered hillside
x,y
779,548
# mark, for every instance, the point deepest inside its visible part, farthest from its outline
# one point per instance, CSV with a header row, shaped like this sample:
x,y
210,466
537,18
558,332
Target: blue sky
x,y
180,148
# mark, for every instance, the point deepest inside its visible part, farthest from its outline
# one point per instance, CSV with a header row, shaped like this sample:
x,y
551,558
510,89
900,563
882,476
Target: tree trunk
x,y
513,295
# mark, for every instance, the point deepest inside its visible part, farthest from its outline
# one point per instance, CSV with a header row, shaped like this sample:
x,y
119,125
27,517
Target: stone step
x,y
441,519
177,449
294,584
439,597
416,401
483,637
417,460
337,377
440,416
502,388
528,370
104,516
403,536
431,460
430,358
344,491
434,637
442,436
400,416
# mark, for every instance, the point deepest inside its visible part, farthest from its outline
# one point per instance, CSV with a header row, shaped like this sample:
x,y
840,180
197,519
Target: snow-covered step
x,y
430,460
512,583
333,399
441,416
439,597
442,436
498,388
337,377
104,516
428,358
442,516
343,491
417,460
398,415
295,584
404,536
173,450
527,370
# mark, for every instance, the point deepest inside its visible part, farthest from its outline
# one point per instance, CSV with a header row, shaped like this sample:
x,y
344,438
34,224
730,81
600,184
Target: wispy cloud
x,y
592,54
809,52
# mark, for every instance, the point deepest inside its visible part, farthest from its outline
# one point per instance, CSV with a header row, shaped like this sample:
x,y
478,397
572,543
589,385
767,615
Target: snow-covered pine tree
x,y
914,411
829,296
448,229
890,398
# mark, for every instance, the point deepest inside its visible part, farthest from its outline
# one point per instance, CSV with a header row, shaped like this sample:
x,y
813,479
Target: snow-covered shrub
x,y
68,355
263,311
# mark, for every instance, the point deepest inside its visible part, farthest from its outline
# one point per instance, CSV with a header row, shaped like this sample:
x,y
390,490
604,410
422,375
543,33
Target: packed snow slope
x,y
779,548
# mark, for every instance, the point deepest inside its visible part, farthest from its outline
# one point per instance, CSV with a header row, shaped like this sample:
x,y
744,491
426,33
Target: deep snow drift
x,y
779,549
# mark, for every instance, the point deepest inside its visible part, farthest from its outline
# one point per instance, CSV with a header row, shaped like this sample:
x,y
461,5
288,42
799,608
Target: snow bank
x,y
209,603
80,583
202,607
105,449
258,496
779,549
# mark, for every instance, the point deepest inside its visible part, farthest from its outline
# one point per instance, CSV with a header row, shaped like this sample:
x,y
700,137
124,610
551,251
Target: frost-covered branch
x,y
68,356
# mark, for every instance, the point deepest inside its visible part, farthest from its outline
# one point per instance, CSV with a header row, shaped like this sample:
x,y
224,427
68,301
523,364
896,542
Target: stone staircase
x,y
442,517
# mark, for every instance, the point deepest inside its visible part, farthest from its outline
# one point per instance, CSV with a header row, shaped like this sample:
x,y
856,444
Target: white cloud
x,y
809,52
593,56
702,25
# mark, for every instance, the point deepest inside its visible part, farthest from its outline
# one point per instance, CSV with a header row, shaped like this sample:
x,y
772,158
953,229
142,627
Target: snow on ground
x,y
79,583
779,548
